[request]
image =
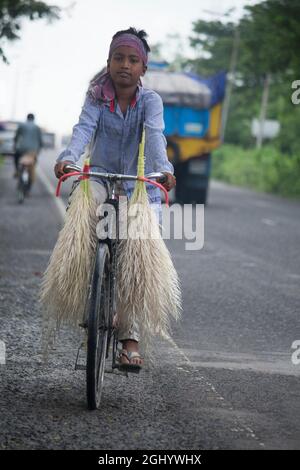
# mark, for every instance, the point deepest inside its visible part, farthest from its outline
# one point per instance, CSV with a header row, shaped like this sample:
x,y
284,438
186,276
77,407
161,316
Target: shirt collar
x,y
112,102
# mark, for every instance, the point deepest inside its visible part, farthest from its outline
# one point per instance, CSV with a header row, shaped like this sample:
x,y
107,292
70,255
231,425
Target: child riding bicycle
x,y
116,107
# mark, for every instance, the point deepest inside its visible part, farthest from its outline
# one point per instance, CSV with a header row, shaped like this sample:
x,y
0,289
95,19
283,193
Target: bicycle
x,y
98,321
25,176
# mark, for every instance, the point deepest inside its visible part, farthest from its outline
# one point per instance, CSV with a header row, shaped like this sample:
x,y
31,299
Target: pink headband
x,y
129,40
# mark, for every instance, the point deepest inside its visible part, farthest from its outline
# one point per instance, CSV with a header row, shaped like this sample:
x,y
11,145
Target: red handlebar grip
x,y
155,183
63,178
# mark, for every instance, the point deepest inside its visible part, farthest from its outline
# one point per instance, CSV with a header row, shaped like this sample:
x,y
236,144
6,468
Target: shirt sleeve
x,y
82,132
156,144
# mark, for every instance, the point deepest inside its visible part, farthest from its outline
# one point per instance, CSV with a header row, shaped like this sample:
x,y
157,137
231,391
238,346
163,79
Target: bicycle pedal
x,y
116,370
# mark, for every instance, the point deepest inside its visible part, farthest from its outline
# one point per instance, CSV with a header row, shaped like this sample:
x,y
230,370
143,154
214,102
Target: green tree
x,y
269,40
276,23
12,12
213,40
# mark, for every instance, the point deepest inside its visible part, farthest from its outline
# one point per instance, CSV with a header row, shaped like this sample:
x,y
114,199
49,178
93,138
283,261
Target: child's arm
x,y
82,132
156,144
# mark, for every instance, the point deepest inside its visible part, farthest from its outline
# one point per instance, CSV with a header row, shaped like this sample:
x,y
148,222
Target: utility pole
x,y
263,111
230,81
231,73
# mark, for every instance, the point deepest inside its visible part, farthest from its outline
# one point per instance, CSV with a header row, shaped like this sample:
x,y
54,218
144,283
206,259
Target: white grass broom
x,y
148,286
65,282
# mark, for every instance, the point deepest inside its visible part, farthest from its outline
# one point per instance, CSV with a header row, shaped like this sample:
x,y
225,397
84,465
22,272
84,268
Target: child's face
x,y
125,66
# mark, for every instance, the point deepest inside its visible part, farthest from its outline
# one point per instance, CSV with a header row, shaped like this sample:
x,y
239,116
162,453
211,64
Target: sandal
x,y
134,368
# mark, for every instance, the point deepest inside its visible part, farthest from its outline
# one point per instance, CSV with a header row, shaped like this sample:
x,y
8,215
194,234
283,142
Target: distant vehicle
x,y
48,139
7,134
192,115
8,130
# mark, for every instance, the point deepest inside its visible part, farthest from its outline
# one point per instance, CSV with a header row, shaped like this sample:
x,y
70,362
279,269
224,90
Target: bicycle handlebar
x,y
75,170
69,168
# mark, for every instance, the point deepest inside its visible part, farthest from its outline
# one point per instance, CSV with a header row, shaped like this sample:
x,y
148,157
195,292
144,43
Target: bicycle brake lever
x,y
70,167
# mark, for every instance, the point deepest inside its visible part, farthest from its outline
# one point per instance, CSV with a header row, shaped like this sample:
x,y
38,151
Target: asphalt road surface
x,y
226,381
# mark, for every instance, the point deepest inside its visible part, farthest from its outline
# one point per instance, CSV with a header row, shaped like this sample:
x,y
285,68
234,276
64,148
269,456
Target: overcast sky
x,y
51,65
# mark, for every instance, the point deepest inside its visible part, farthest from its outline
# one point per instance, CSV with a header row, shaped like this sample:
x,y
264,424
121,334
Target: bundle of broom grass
x,y
148,293
65,282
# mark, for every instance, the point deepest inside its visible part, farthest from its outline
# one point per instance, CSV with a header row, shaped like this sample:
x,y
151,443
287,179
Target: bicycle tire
x,y
21,189
98,325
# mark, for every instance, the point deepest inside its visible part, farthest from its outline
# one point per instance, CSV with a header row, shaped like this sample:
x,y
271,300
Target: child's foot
x,y
131,346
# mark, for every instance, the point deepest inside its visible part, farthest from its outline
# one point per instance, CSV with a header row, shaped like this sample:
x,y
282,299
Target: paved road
x,y
227,381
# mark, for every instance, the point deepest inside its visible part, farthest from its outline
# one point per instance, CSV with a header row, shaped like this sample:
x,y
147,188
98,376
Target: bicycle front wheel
x,y
98,325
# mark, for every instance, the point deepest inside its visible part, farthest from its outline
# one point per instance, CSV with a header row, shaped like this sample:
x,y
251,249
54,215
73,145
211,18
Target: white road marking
x,y
240,427
269,222
262,204
248,265
293,276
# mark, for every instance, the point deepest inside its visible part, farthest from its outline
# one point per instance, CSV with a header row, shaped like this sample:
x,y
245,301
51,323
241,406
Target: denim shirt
x,y
115,137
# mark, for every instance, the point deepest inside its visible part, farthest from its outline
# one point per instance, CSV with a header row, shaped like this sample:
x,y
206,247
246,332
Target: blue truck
x,y
192,114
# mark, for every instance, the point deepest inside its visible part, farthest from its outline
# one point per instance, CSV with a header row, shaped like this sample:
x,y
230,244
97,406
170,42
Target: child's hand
x,y
170,181
59,168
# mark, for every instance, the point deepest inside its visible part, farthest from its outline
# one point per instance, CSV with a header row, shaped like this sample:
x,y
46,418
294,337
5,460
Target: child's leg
x,y
99,191
131,334
130,343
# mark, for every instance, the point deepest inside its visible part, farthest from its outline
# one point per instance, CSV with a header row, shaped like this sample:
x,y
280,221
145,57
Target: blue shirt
x,y
115,137
28,138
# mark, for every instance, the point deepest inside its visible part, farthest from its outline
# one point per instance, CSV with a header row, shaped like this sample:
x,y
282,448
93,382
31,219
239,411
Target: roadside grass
x,y
265,170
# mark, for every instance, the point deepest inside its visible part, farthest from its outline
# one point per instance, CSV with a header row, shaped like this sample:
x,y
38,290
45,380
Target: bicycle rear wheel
x,y
24,183
21,186
98,327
